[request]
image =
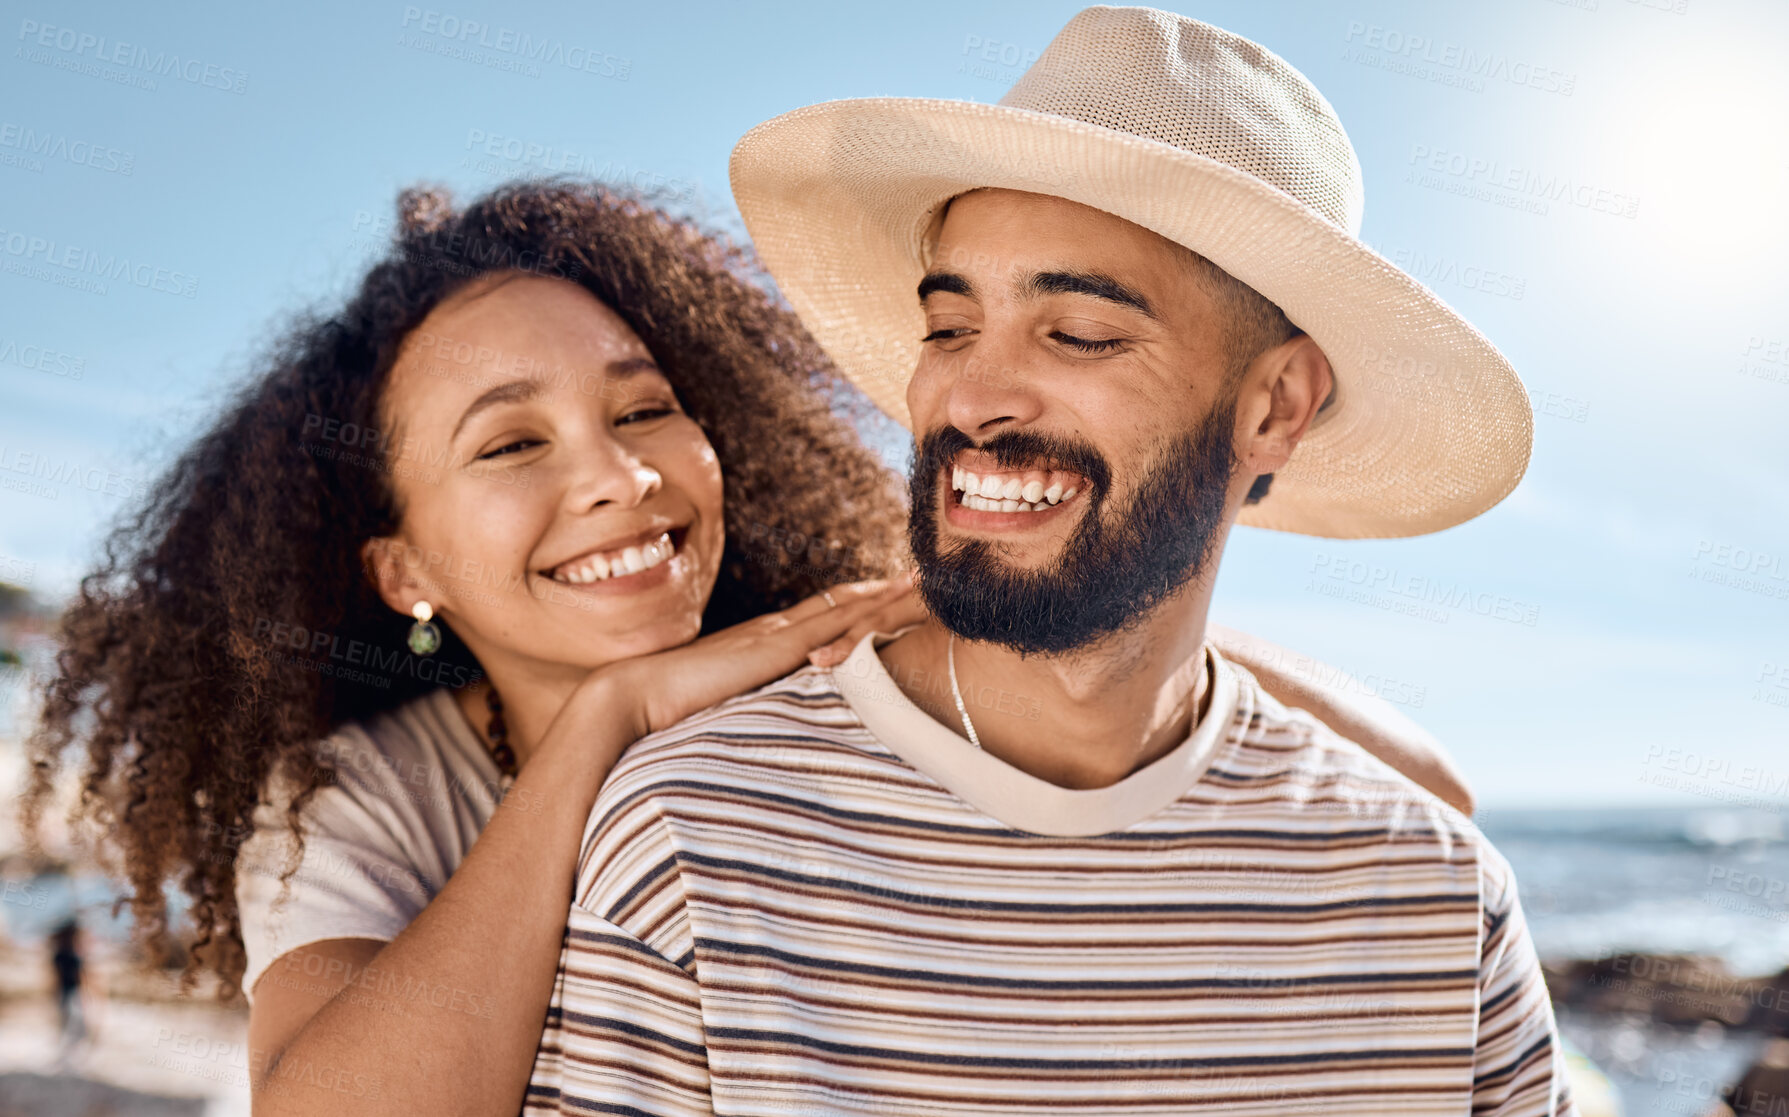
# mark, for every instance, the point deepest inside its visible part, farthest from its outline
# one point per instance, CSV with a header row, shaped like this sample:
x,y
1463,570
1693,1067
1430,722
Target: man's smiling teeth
x,y
1013,492
615,564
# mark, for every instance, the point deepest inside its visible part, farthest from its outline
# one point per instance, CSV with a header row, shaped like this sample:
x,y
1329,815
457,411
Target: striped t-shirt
x,y
816,899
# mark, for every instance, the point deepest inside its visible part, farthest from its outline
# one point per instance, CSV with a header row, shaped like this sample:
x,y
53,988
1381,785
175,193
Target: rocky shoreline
x,y
1690,993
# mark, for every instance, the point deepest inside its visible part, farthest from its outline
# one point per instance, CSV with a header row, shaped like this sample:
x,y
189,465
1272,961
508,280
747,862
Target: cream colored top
x,y
416,787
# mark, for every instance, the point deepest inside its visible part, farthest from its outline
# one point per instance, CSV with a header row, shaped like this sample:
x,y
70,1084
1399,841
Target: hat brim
x,y
1430,425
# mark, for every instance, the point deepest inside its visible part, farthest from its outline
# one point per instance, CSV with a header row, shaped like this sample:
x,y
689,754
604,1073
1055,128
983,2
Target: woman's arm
x,y
445,1018
1368,720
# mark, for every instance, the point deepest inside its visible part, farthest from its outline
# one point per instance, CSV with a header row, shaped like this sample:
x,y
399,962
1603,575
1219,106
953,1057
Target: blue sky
x,y
1636,647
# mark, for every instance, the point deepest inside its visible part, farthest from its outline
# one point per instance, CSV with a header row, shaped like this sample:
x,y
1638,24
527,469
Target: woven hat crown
x,y
1177,81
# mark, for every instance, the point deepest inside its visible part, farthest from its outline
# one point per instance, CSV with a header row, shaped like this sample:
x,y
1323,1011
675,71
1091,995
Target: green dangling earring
x,y
424,637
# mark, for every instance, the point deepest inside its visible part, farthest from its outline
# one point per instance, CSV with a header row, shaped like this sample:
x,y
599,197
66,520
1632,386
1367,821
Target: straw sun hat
x,y
1210,141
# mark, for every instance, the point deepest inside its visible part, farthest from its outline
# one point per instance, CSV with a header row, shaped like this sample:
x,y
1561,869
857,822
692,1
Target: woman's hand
x,y
1340,701
662,689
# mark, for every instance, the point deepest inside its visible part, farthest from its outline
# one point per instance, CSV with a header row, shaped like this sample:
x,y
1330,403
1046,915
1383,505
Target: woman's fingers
x,y
843,594
673,684
901,611
824,627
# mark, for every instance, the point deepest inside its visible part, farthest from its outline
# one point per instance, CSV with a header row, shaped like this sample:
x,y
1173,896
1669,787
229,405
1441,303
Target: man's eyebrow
x,y
1089,283
948,281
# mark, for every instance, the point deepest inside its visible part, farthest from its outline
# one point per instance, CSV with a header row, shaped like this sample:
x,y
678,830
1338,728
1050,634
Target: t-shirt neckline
x,y
1018,798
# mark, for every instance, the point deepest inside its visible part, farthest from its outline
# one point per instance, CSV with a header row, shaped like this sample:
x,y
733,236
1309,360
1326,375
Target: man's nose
x,y
986,388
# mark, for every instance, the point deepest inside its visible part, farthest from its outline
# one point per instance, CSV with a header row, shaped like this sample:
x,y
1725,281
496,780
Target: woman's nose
x,y
614,475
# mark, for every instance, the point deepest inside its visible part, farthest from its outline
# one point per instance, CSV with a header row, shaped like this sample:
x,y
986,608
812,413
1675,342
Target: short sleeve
x,y
1518,1067
623,1032
352,882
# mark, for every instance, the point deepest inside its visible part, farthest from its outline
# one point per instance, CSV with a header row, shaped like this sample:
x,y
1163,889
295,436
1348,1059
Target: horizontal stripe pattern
x,y
775,914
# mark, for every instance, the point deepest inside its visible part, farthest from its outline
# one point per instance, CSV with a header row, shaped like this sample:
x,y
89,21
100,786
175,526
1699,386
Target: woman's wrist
x,y
612,694
587,736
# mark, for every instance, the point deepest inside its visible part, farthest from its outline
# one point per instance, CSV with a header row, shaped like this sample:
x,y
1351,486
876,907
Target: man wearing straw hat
x,y
1120,311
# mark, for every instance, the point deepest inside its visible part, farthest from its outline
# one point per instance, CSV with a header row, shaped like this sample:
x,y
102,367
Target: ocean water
x,y
1669,880
1712,881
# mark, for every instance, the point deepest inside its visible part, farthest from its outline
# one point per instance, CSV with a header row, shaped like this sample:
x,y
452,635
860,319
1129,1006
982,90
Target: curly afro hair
x,y
167,674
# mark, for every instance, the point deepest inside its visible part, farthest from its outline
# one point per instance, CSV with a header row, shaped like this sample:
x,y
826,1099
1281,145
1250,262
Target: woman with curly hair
x,y
558,475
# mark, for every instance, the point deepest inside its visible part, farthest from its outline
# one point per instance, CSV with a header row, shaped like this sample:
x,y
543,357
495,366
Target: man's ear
x,y
383,560
1281,393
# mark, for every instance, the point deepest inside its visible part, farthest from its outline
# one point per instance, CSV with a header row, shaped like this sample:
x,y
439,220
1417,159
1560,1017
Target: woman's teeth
x,y
616,564
1009,492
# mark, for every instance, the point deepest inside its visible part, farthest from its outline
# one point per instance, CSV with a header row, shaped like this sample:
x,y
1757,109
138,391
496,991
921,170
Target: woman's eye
x,y
1085,345
645,413
943,335
509,448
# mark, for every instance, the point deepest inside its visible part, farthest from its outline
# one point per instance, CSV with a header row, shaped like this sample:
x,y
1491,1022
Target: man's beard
x,y
1109,575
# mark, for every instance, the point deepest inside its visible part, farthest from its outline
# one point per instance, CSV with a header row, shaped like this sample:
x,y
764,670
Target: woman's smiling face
x,y
558,505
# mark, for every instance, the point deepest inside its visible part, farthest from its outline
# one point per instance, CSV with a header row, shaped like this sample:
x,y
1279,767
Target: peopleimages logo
x,y
41,358
1004,61
503,155
1456,172
80,261
1428,598
76,48
503,48
1743,568
1766,359
65,471
1433,269
32,147
1715,776
1388,44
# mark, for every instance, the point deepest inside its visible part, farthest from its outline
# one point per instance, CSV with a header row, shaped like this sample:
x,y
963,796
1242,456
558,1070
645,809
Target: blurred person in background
x,y
68,968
